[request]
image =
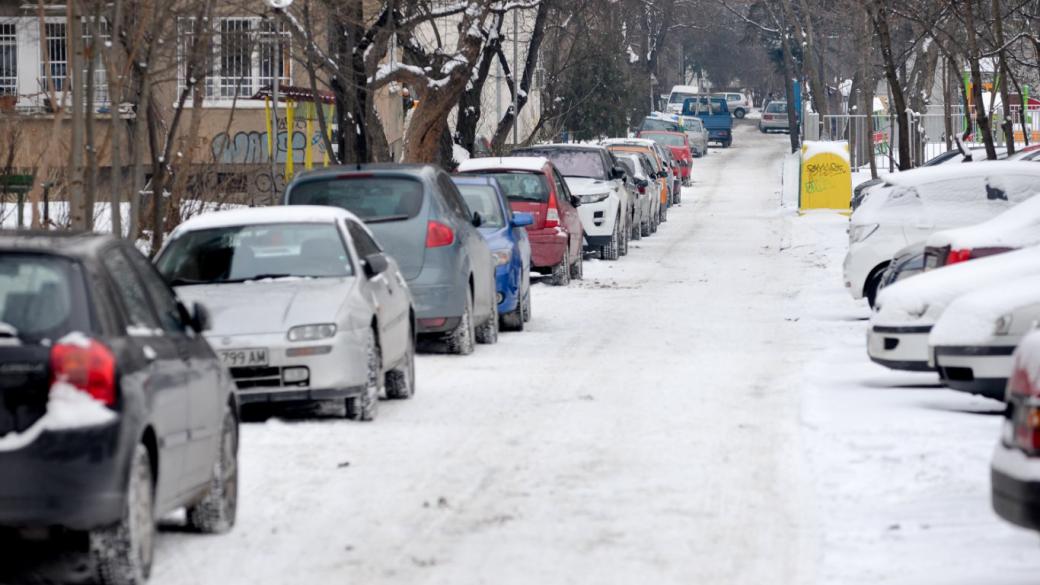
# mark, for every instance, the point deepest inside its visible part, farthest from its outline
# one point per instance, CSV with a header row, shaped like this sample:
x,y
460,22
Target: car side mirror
x,y
522,219
642,183
575,201
375,264
197,318
616,173
477,220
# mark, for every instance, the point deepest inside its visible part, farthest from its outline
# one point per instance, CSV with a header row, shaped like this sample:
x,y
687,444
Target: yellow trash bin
x,y
826,181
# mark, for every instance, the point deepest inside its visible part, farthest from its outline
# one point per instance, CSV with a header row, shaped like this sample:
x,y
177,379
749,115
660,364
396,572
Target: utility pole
x,y
516,82
276,73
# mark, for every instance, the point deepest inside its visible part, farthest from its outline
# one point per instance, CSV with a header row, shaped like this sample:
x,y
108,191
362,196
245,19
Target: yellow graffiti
x,y
826,182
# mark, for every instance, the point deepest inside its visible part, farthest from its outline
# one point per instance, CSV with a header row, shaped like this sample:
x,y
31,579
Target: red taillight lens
x,y
642,190
438,234
552,214
88,366
956,256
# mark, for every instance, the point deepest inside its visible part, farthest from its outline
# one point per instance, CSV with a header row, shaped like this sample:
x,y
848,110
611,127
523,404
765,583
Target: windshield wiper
x,y
385,218
186,282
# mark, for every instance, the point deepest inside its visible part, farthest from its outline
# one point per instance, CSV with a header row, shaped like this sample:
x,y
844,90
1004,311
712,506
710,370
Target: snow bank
x,y
813,148
924,297
971,318
67,408
1015,228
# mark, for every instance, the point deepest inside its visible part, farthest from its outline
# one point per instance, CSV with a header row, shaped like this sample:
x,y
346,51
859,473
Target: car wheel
x,y
400,382
624,235
655,219
637,229
122,553
727,143
514,320
487,333
461,340
739,113
216,512
561,274
365,406
578,268
872,286
612,250
664,215
527,306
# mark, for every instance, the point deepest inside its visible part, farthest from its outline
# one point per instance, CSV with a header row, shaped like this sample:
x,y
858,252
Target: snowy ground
x,y
700,412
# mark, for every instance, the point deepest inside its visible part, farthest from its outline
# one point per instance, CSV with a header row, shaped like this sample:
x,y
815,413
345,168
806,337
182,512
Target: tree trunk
x,y
470,106
92,55
533,50
114,72
892,77
77,202
790,77
1006,120
981,116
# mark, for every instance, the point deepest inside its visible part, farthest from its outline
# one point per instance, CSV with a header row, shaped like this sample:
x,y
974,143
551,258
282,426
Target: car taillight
x,y
88,366
552,214
438,235
1024,409
956,256
642,190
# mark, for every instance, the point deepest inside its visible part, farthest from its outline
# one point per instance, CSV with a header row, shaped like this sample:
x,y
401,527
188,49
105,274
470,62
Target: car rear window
x,y
254,252
371,198
523,186
41,297
665,139
679,97
657,124
573,163
483,199
776,108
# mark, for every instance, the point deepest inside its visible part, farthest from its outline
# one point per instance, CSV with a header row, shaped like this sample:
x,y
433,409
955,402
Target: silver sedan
x,y
305,305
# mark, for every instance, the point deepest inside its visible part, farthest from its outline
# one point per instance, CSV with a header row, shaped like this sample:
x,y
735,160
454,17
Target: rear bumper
x,y
1015,496
547,247
434,301
720,135
268,395
73,479
982,370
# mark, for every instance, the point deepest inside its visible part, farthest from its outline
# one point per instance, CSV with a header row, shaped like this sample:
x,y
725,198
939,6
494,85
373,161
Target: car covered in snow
x,y
594,176
510,246
115,411
640,182
972,342
1017,227
906,311
534,185
1015,466
912,205
419,218
306,305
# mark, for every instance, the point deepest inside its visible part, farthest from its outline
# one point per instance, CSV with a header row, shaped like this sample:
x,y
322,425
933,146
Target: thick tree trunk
x,y
531,63
981,115
896,89
1006,120
470,106
77,202
791,77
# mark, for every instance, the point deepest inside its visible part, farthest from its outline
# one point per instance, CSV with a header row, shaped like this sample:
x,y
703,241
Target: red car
x,y
533,185
679,144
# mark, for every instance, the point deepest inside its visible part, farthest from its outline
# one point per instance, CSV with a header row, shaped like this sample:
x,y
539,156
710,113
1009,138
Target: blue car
x,y
506,236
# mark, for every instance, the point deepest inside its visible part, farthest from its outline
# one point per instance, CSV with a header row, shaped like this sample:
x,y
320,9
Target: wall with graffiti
x,y
249,147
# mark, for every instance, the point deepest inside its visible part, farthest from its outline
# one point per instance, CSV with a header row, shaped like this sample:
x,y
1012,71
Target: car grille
x,y
257,377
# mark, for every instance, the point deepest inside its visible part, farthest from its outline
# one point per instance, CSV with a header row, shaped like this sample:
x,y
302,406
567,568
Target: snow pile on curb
x,y
68,407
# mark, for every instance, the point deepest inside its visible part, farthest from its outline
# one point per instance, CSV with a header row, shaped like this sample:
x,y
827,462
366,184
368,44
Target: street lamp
x,y
276,74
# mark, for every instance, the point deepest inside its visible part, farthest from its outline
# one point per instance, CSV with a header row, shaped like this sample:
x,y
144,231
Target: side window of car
x,y
130,290
363,243
159,292
561,185
452,196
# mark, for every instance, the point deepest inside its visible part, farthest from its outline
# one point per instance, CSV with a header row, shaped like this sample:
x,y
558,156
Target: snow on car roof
x,y
908,300
971,317
265,215
925,175
517,163
1015,228
628,142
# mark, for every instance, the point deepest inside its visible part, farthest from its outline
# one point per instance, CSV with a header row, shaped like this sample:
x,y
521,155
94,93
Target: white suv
x,y
739,104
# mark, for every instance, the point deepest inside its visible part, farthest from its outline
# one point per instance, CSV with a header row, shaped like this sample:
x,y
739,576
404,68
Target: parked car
x,y
738,103
306,305
907,311
913,204
1030,153
907,262
593,174
698,136
1015,466
774,117
714,112
662,122
638,180
661,170
972,342
678,143
533,185
1017,227
115,410
419,218
679,95
506,235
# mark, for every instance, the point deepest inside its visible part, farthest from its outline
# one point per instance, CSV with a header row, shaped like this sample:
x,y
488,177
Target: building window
x,y
8,59
274,53
246,55
236,58
100,73
55,57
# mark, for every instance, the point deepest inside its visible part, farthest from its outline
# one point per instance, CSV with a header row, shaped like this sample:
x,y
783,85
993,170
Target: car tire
x,y
624,235
365,406
514,320
637,230
122,553
578,268
400,382
873,286
215,514
739,113
612,250
461,341
561,273
487,333
727,143
664,215
655,219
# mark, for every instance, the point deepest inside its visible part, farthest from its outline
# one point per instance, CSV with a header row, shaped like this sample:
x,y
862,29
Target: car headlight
x,y
502,257
1002,325
858,233
594,197
312,332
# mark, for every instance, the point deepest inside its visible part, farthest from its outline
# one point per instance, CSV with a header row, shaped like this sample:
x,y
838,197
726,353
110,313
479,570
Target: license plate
x,y
244,358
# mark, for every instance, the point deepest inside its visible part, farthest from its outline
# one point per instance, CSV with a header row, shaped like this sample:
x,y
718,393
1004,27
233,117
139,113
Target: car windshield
x,y
255,252
679,97
483,199
776,108
523,186
41,297
664,138
693,124
705,106
636,163
659,124
371,198
573,163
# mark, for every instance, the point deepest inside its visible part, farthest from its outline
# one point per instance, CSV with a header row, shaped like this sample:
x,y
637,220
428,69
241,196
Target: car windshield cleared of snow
x,y
659,124
371,198
255,252
664,138
678,97
523,186
776,108
483,199
41,297
693,124
573,163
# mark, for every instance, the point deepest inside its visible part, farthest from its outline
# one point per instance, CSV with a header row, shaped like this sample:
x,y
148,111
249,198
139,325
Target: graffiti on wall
x,y
249,147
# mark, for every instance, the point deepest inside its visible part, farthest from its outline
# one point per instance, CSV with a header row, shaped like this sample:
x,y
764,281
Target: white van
x,y
679,95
